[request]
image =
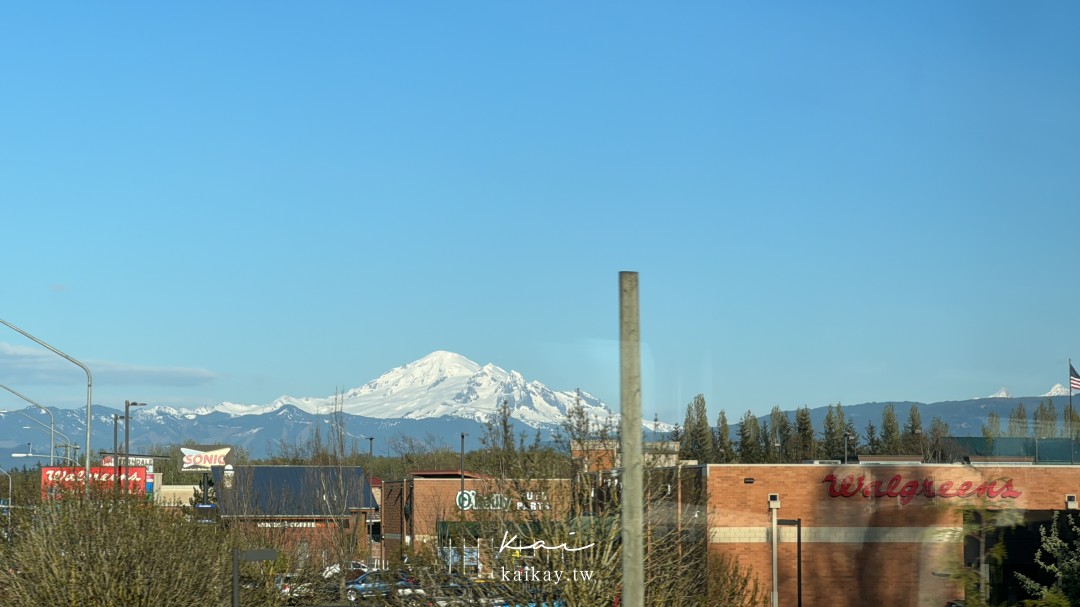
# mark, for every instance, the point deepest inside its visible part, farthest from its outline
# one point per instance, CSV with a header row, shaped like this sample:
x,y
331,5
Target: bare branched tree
x,y
115,549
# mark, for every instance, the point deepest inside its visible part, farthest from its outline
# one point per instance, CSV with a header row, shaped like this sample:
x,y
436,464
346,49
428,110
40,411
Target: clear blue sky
x,y
826,202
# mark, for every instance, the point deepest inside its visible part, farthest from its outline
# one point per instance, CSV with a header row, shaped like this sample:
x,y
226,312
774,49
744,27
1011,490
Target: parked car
x,y
446,595
353,570
463,592
382,584
500,595
537,597
292,586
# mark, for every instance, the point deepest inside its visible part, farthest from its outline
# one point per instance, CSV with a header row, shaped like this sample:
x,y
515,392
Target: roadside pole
x,y
633,557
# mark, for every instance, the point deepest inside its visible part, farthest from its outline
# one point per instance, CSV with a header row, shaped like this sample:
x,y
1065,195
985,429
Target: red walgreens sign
x,y
63,479
859,486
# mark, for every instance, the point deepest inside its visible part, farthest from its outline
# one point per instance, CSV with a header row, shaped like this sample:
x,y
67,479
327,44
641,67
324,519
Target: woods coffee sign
x,y
906,489
72,479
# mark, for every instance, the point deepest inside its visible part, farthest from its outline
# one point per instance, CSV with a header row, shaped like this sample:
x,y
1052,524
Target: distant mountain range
x,y
435,398
964,417
440,396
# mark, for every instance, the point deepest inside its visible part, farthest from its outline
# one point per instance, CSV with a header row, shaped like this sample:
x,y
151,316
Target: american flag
x,y
1074,378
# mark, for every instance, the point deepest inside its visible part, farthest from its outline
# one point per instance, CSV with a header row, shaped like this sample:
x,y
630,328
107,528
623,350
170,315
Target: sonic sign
x,y
200,458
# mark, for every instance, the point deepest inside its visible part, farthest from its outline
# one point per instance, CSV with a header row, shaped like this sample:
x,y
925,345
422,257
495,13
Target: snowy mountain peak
x,y
446,362
1002,393
444,384
434,367
1057,390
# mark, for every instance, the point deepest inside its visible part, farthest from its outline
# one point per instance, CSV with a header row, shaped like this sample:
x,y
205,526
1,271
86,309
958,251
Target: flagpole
x,y
1072,437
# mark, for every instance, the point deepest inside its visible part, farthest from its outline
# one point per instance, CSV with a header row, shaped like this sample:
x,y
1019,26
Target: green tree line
x,y
791,437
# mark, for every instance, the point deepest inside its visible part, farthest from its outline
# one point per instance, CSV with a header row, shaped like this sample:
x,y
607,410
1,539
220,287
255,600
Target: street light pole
x,y
52,420
461,507
45,428
462,470
370,545
9,504
127,437
89,386
116,458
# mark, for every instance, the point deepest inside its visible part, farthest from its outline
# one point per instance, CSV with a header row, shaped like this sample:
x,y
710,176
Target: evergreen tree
x,y
685,446
749,440
1046,424
873,441
697,435
676,436
805,441
832,435
1070,423
890,432
768,445
852,447
1018,421
992,428
914,442
781,425
725,452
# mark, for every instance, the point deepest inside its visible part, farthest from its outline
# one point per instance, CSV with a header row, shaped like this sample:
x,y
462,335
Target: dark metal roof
x,y
293,491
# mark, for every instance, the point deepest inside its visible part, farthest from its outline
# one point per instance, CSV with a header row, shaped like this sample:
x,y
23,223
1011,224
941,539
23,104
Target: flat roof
x,y
458,473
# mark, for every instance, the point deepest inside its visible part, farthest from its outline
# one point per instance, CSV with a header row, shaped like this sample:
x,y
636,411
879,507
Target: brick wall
x,y
876,546
435,499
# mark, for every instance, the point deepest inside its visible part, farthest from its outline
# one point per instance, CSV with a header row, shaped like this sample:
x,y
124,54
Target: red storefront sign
x,y
857,486
65,479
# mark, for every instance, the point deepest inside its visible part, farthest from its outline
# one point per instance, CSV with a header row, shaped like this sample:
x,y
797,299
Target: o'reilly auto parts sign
x,y
200,458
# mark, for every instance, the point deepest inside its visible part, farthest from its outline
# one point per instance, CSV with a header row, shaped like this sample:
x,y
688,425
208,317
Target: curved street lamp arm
x,y
89,384
43,426
52,420
42,455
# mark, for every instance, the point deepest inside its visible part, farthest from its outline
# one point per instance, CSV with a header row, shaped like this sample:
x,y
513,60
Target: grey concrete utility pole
x,y
633,557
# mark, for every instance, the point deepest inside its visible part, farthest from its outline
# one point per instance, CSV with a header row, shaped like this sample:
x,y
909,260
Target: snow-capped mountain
x,y
1058,390
441,384
435,399
1002,393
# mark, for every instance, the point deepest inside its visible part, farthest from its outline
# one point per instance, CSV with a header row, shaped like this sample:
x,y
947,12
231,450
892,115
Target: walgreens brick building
x,y
885,533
